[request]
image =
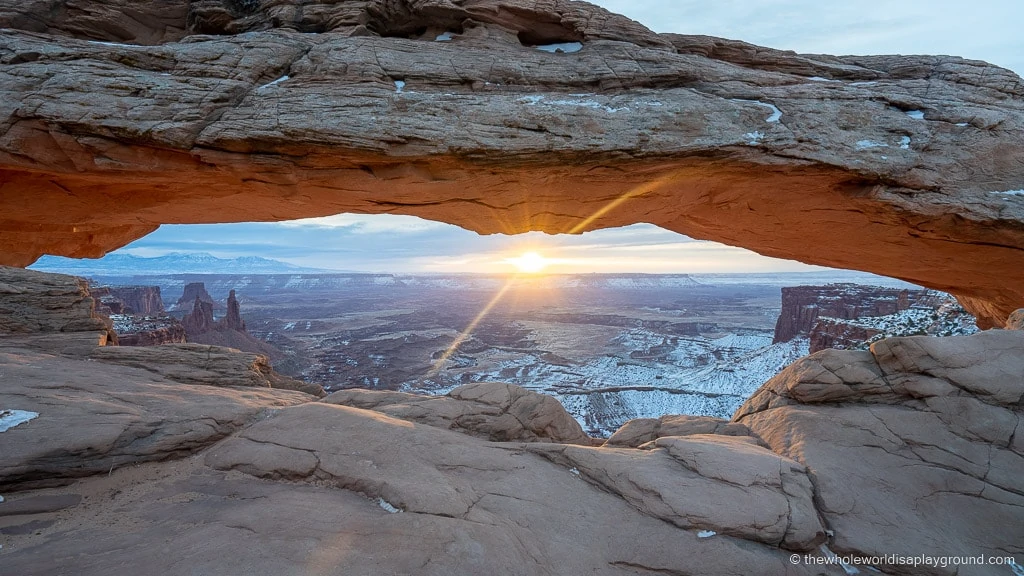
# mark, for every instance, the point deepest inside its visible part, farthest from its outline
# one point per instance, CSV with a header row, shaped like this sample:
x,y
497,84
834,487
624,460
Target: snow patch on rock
x,y
275,82
865,144
11,418
388,507
776,113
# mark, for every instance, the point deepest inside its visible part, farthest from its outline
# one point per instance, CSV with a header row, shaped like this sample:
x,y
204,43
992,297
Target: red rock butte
x,y
120,116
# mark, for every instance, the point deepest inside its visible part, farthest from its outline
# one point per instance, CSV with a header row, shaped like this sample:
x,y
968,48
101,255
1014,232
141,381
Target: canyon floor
x,y
610,347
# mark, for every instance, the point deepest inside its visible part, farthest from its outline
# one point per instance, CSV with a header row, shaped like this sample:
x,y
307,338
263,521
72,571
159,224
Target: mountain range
x,y
116,264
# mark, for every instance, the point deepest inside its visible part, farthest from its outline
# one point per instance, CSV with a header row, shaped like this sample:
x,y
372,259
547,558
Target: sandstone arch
x,y
908,166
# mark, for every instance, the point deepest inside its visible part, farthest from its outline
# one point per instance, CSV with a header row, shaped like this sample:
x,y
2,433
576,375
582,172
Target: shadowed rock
x,y
643,430
500,412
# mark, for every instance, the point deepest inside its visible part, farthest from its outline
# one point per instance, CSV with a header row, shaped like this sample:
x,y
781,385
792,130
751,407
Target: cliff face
x,y
193,291
141,300
463,112
834,333
200,320
135,330
802,305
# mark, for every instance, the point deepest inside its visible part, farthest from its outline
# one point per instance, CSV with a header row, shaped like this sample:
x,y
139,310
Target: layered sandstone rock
x,y
500,412
919,431
148,330
96,416
803,305
118,120
913,447
141,300
193,291
640,431
200,319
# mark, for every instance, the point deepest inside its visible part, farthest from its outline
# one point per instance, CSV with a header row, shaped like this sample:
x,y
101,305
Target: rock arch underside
x,y
117,116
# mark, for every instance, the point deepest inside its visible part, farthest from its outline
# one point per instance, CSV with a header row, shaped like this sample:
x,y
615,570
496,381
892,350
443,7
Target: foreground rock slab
x,y
94,417
924,432
494,411
908,166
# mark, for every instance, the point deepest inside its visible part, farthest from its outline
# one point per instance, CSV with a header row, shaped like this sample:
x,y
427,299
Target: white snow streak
x,y
446,37
916,114
706,533
776,113
865,144
11,418
399,84
387,506
278,81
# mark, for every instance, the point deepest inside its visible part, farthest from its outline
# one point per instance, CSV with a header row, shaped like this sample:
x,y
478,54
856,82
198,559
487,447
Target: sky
x,y
980,29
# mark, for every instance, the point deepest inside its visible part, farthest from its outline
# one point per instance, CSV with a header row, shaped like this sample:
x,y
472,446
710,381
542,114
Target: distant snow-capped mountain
x,y
115,264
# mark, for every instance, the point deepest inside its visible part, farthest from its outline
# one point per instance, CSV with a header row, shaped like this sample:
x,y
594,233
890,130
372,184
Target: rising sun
x,y
530,262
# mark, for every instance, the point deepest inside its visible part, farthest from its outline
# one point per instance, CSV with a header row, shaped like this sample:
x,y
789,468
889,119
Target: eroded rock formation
x,y
910,448
141,300
193,291
119,120
500,412
200,319
803,305
919,429
148,330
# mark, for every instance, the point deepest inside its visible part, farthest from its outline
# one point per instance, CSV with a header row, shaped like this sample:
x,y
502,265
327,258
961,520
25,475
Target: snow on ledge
x,y
776,113
566,47
905,142
278,81
111,44
387,506
820,79
706,533
1010,193
865,144
444,37
916,114
754,138
399,84
11,418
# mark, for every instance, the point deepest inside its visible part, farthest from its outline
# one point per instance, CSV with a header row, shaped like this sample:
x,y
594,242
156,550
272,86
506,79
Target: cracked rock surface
x,y
121,118
914,447
924,432
494,411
